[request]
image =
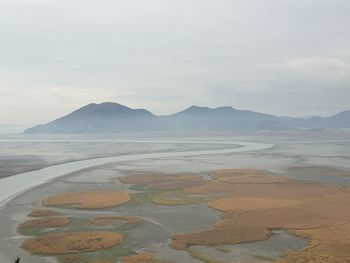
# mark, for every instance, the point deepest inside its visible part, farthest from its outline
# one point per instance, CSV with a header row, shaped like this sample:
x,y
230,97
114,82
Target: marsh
x,y
174,188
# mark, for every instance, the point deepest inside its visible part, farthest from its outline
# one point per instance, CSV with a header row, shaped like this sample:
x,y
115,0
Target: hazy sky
x,y
286,57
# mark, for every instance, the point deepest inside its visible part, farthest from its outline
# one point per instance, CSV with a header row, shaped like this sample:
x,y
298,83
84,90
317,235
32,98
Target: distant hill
x,y
337,121
113,117
223,118
340,120
104,117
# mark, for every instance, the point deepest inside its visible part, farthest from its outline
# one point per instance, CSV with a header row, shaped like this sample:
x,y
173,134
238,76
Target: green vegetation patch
x,y
195,254
179,198
138,187
142,198
78,225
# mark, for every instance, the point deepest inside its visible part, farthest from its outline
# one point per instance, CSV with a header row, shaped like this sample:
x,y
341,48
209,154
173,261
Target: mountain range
x,y
109,117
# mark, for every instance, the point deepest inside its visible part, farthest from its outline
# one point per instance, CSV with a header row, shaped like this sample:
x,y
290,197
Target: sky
x,y
284,57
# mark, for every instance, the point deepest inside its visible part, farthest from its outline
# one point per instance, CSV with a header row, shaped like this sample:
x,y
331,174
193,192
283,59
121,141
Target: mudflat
x,y
249,207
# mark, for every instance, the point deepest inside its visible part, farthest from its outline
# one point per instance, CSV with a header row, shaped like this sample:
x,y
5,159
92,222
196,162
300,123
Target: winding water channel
x,y
12,186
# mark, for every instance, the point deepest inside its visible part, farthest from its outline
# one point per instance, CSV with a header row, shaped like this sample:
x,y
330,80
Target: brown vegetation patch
x,y
254,179
329,238
320,213
285,190
288,217
43,213
67,243
219,236
329,245
92,200
116,220
316,211
140,258
46,222
247,176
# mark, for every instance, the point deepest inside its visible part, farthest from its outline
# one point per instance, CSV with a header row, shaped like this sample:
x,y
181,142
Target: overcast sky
x,y
286,57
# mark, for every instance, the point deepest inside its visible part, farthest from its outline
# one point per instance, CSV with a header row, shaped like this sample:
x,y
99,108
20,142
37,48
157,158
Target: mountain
x,y
223,118
340,120
104,117
113,117
337,121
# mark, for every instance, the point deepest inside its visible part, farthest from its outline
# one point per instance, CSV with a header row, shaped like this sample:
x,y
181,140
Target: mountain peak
x,y
225,108
103,105
107,109
194,109
345,112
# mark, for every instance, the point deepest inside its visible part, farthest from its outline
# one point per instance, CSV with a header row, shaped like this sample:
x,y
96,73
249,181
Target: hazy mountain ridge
x,y
104,117
114,117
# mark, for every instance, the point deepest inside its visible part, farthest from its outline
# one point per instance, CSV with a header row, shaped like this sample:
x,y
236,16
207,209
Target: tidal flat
x,y
182,200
